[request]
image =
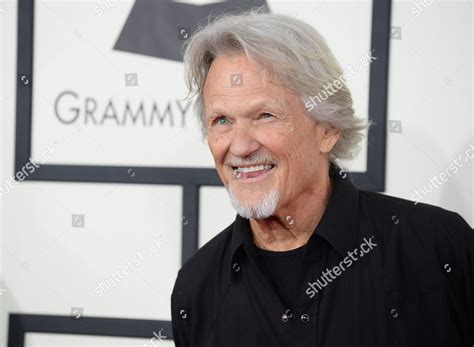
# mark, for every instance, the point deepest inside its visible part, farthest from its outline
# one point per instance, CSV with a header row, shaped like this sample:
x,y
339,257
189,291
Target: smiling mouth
x,y
254,171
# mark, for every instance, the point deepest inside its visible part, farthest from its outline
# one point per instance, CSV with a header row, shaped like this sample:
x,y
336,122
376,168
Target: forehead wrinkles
x,y
269,96
220,79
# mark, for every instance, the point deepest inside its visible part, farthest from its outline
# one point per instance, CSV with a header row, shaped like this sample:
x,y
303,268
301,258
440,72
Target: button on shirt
x,y
377,271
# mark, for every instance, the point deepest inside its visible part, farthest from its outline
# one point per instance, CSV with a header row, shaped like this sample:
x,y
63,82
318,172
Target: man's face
x,y
267,151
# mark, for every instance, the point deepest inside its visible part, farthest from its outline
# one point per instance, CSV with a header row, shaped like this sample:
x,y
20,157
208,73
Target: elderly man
x,y
310,260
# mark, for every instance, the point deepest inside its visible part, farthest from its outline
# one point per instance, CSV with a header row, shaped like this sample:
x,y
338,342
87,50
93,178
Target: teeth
x,y
252,168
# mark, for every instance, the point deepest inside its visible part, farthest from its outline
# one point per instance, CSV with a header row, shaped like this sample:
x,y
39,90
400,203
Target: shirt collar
x,y
337,226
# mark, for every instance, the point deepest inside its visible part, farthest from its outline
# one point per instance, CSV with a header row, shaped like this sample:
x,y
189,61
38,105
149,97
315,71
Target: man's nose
x,y
243,142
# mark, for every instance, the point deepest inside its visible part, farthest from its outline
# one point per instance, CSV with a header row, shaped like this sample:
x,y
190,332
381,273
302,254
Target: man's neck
x,y
292,227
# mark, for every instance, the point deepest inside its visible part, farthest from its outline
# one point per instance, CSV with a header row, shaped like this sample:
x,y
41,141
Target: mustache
x,y
254,159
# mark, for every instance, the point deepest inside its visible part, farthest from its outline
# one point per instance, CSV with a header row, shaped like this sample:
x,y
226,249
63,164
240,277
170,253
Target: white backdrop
x,y
47,266
76,68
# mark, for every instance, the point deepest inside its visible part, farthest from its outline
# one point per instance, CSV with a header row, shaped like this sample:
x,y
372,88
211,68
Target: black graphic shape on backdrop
x,y
19,324
159,28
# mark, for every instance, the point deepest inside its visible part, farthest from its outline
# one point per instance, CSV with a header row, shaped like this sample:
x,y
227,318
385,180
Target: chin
x,y
261,208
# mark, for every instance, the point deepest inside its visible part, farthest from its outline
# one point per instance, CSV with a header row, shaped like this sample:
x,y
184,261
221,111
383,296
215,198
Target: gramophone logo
x,y
156,28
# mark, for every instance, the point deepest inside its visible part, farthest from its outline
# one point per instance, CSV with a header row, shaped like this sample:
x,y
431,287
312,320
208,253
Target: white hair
x,y
264,208
293,53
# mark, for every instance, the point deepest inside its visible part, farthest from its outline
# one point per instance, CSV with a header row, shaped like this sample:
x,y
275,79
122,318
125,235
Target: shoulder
x,y
414,215
204,264
425,257
205,257
418,230
198,291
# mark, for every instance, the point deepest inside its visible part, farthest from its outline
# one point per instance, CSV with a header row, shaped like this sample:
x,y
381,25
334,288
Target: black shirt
x,y
281,270
377,271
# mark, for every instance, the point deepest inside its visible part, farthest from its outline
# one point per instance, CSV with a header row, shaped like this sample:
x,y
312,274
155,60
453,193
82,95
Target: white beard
x,y
258,210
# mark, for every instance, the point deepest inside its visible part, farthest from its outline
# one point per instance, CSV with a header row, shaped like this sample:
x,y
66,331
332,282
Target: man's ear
x,y
329,138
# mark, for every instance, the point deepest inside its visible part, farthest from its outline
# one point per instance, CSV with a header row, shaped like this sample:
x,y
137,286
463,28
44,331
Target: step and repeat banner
x,y
101,98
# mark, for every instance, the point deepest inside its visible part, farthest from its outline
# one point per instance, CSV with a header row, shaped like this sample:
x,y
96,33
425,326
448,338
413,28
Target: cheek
x,y
275,145
298,153
306,141
218,147
279,143
278,135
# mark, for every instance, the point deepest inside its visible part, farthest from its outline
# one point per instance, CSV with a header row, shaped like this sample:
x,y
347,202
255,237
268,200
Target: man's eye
x,y
218,120
263,115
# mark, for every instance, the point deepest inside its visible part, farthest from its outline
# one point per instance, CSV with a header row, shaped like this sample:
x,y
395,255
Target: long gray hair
x,y
293,53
